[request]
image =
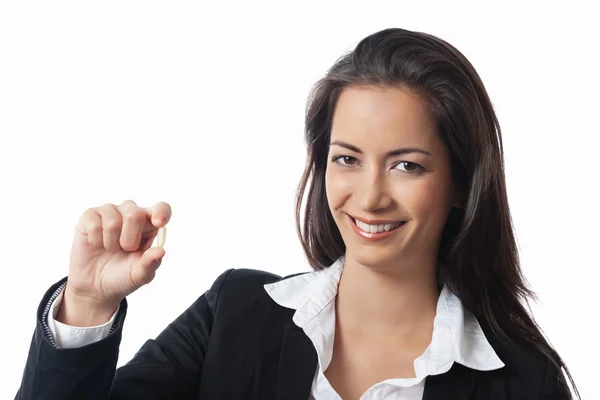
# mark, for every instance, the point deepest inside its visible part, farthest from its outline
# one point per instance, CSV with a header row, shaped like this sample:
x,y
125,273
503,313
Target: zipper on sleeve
x,y
46,327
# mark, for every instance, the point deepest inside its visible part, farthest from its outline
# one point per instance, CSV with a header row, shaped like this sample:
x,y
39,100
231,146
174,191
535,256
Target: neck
x,y
401,300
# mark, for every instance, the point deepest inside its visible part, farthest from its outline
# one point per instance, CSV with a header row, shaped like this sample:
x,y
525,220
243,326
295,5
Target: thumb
x,y
144,269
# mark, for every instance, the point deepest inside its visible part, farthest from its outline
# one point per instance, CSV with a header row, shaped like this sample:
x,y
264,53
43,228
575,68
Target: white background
x,y
202,106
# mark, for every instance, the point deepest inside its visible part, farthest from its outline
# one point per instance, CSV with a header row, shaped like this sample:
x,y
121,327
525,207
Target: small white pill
x,y
161,237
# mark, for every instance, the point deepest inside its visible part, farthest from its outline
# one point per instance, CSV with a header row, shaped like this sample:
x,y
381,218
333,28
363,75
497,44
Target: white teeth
x,y
376,228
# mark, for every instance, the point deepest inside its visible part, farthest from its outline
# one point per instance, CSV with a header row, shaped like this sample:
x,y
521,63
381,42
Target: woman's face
x,y
388,180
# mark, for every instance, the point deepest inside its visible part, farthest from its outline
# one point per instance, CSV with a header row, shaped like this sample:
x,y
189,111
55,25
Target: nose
x,y
372,192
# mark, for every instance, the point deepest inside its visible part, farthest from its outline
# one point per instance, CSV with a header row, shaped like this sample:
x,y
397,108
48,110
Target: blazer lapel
x,y
297,365
457,384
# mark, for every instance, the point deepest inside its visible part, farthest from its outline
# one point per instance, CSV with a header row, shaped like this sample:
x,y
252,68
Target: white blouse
x,y
457,336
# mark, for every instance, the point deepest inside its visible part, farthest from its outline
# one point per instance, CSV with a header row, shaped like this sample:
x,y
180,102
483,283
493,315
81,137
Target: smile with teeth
x,y
376,228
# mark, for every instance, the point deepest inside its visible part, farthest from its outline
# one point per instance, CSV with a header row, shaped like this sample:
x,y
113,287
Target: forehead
x,y
371,117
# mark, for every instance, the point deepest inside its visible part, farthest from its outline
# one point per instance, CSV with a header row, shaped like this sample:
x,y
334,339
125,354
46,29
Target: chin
x,y
373,257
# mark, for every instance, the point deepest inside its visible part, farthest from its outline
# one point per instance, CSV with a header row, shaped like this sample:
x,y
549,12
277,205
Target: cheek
x,y
337,187
426,199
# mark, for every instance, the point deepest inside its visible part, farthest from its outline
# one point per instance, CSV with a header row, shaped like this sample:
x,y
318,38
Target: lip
x,y
374,221
373,236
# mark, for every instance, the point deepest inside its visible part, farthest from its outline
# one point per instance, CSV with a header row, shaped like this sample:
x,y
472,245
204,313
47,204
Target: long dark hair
x,y
478,246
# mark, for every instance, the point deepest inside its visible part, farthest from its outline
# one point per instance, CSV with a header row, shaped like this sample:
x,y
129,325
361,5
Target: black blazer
x,y
235,342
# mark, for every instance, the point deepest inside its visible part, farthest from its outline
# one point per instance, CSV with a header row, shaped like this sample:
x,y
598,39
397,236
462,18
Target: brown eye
x,y
410,167
345,161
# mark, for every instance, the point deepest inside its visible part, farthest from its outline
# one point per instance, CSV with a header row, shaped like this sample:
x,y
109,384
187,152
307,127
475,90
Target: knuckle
x,y
107,207
129,202
89,211
93,226
112,224
134,215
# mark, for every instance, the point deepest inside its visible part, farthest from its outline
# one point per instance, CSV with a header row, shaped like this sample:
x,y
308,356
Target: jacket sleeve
x,y
167,367
66,336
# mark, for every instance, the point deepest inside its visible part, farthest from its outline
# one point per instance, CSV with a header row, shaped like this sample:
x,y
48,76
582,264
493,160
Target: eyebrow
x,y
393,153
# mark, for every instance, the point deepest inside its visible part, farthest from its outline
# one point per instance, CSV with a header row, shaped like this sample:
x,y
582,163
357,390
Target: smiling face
x,y
388,168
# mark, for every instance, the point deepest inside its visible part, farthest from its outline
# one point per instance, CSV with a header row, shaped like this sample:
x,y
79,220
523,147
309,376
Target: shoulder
x,y
244,279
527,368
242,287
514,355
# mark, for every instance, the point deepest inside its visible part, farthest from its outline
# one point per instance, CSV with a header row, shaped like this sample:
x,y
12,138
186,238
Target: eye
x,y
345,161
410,167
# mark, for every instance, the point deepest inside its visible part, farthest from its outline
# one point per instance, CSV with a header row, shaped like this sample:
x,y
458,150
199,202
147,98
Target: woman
x,y
416,292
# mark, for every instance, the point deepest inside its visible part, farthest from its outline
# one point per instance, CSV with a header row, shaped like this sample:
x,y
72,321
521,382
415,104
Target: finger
x,y
112,224
159,214
90,225
144,270
147,242
134,221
